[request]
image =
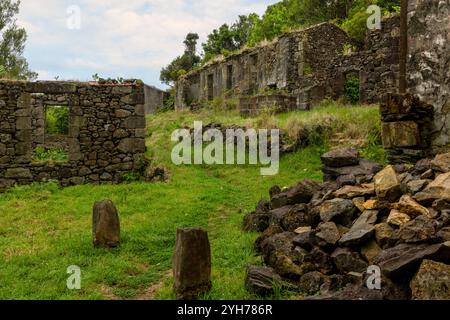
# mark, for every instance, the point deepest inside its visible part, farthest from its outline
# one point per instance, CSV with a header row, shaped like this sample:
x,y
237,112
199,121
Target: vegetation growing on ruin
x,y
41,235
284,16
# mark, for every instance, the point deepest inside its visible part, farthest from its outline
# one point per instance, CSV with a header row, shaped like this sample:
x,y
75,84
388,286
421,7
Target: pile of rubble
x,y
365,233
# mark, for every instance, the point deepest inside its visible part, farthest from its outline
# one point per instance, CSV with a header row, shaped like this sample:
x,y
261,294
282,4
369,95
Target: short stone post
x,y
105,225
192,263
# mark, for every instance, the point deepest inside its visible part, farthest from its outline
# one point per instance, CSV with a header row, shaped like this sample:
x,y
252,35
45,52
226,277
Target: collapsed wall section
x,y
106,134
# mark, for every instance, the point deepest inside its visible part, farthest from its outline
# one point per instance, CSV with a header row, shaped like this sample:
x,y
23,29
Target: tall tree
x,y
182,64
12,44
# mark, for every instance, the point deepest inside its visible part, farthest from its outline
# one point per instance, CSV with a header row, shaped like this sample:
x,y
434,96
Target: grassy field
x,y
44,229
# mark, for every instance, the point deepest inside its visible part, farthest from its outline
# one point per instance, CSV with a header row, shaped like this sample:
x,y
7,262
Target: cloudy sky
x,y
127,38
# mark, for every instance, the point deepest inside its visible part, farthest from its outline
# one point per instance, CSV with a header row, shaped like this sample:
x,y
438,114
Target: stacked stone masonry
x,y
307,66
106,138
417,124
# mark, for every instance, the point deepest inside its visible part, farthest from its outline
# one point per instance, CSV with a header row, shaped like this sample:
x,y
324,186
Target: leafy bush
x,y
352,90
57,120
50,155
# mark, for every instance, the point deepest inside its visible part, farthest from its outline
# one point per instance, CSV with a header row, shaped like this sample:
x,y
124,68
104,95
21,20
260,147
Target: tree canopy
x,y
12,44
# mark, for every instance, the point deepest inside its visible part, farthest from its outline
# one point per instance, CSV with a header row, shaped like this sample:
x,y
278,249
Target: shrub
x,y
57,120
352,90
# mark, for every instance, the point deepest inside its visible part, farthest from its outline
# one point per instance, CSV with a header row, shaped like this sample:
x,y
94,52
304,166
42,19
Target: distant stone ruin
x,y
105,139
298,69
154,99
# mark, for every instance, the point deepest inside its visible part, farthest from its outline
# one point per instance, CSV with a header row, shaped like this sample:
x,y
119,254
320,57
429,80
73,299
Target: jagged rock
x,y
262,281
363,172
271,231
302,230
295,218
311,282
370,251
275,190
362,229
256,222
417,185
277,215
422,166
419,230
339,210
410,207
321,261
341,158
329,232
444,235
387,185
350,192
308,240
432,282
301,193
346,261
359,203
346,180
402,261
438,189
441,205
383,233
396,218
427,175
263,206
280,253
441,163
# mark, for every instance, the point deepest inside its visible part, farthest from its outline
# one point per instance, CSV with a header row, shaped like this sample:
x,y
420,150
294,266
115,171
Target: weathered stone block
x,y
192,263
23,123
135,122
132,145
400,134
18,173
105,225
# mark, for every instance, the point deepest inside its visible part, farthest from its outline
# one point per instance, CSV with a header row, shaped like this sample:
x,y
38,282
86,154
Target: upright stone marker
x,y
105,225
192,263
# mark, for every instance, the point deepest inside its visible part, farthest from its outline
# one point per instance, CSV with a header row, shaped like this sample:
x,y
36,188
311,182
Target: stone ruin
x,y
297,70
417,124
105,139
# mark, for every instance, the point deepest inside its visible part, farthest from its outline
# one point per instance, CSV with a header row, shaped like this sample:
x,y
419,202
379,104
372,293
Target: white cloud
x,y
133,37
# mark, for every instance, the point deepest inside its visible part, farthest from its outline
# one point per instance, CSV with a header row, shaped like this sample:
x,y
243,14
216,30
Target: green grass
x,y
44,229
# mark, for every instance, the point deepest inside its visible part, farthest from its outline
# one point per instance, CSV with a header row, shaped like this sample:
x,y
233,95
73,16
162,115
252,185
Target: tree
x,y
228,39
12,44
182,64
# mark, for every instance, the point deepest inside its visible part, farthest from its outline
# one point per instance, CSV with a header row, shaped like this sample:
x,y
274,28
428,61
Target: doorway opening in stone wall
x,y
352,87
229,77
210,87
56,146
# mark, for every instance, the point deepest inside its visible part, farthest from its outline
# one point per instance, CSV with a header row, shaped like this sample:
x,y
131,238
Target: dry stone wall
x,y
307,65
417,124
106,138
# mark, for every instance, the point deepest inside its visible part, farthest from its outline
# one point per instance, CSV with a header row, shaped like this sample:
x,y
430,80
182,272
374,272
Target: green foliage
x,y
57,120
12,44
50,155
228,39
352,92
182,64
169,101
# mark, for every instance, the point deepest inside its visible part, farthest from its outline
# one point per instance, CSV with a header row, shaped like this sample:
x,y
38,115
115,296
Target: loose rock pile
x,y
321,239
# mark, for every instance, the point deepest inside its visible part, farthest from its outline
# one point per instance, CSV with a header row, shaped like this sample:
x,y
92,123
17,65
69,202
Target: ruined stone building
x,y
105,139
298,69
303,67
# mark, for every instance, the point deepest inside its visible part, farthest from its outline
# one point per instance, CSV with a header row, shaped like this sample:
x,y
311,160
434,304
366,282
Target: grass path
x,y
45,229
